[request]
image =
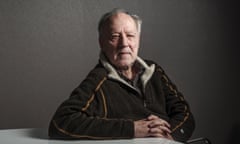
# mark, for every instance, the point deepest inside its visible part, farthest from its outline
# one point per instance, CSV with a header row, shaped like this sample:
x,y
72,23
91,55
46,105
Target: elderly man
x,y
124,96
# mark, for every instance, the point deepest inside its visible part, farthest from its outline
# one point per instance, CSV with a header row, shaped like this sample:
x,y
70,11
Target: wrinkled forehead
x,y
118,21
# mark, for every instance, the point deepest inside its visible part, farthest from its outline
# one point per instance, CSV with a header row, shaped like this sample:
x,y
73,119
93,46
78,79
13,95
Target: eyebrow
x,y
125,32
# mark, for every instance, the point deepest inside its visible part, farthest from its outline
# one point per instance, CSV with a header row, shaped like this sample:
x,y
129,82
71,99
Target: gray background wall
x,y
48,46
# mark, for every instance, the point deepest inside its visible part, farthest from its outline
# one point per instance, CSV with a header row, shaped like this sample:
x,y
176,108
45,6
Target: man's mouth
x,y
124,53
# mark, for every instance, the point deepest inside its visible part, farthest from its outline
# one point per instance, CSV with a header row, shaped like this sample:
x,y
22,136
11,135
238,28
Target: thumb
x,y
152,117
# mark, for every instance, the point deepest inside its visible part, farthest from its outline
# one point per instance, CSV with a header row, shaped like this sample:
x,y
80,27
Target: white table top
x,y
39,136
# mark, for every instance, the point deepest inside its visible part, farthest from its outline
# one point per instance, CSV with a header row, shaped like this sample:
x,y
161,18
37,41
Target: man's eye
x,y
130,35
115,36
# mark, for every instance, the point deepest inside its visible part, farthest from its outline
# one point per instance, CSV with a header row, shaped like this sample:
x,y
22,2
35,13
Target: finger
x,y
169,136
159,122
165,123
156,130
166,130
141,128
161,129
152,117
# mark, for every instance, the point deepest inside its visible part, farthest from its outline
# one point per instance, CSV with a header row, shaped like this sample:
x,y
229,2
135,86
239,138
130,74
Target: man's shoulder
x,y
98,72
96,76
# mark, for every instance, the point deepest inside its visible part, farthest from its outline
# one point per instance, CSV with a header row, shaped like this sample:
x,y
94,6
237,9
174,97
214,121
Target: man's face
x,y
120,40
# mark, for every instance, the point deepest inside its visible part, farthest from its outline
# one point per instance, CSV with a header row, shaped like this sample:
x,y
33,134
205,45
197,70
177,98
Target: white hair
x,y
108,15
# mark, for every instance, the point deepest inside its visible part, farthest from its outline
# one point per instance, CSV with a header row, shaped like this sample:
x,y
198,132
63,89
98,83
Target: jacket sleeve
x,y
83,116
181,119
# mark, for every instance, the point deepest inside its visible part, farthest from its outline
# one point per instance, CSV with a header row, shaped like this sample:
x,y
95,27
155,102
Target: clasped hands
x,y
152,126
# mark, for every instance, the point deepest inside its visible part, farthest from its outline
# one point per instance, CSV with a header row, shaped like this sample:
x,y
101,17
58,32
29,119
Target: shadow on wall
x,y
234,134
38,133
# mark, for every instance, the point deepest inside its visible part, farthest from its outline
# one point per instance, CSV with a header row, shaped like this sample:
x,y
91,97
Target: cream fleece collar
x,y
112,73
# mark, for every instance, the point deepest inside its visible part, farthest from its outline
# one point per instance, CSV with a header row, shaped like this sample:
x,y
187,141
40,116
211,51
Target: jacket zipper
x,y
144,103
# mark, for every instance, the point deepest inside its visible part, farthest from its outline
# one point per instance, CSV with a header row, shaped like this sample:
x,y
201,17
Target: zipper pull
x,y
144,103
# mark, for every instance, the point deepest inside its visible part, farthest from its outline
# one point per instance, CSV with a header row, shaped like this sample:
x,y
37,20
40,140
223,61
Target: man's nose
x,y
123,41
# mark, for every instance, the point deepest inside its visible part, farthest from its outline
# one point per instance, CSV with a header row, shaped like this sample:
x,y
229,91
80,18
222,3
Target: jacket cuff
x,y
128,129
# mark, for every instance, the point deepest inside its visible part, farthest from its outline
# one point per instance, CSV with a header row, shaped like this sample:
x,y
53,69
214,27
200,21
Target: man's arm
x,y
181,119
72,122
83,116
